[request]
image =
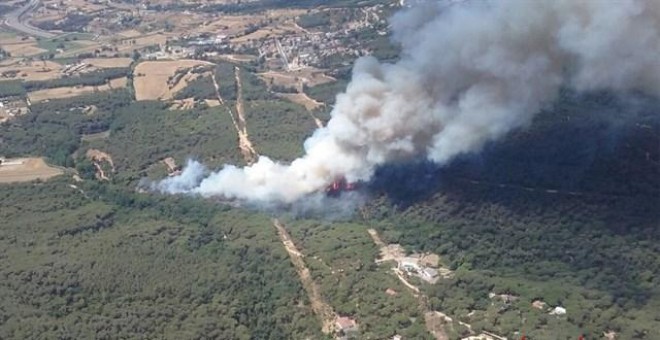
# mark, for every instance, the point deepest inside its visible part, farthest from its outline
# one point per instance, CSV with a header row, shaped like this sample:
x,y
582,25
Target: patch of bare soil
x,y
98,157
183,104
26,169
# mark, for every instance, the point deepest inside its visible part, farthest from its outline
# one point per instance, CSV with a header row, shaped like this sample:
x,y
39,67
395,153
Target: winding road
x,y
14,20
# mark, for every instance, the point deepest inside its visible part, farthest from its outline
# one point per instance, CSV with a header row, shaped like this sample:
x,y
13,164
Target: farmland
x,y
152,78
74,91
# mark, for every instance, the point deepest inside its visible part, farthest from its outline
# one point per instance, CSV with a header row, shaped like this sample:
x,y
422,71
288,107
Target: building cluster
x,y
420,266
310,49
11,107
345,327
70,69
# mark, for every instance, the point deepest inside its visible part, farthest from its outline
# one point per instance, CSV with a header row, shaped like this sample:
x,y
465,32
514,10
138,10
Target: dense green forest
x,y
95,262
565,212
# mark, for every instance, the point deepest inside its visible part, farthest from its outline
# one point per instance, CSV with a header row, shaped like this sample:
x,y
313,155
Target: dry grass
x,y
23,49
151,77
10,38
129,34
118,83
212,102
302,99
264,33
73,91
108,62
38,70
127,45
183,104
26,169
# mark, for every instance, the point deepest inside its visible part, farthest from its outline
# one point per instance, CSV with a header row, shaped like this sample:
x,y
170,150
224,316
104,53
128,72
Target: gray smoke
x,y
469,73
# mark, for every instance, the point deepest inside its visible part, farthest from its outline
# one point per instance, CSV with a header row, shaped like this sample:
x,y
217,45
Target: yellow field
x,y
73,91
108,62
26,169
150,80
37,70
129,33
23,49
302,99
127,45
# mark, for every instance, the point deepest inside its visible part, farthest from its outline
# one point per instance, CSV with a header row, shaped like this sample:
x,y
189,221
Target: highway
x,y
14,20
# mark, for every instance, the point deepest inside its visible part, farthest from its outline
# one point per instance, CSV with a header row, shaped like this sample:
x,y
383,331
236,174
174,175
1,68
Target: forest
x,y
564,211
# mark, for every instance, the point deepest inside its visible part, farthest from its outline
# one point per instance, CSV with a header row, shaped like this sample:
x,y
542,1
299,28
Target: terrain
x,y
559,216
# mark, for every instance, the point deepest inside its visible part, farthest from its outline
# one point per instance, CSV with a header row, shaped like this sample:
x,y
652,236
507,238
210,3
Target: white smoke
x,y
469,73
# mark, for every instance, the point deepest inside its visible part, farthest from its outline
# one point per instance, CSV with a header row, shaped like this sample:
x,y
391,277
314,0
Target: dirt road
x,y
321,308
250,155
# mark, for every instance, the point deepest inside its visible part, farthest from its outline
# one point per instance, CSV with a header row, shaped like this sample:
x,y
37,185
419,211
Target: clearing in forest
x,y
26,169
153,79
98,157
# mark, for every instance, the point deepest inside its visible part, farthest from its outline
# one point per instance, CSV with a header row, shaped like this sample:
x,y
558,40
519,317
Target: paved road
x,y
15,21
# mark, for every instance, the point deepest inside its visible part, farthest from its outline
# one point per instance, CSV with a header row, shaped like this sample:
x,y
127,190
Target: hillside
x,y
548,231
565,211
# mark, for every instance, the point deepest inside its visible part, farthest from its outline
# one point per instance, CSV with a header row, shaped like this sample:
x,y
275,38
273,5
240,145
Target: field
x,y
23,49
108,62
151,78
302,99
130,44
33,71
26,169
307,76
73,91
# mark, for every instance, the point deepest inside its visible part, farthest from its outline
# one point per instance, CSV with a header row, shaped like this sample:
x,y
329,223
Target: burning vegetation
x,y
338,186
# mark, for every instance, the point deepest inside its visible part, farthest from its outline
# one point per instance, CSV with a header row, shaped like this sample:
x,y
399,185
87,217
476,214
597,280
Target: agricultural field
x,y
74,91
24,49
31,71
108,62
151,79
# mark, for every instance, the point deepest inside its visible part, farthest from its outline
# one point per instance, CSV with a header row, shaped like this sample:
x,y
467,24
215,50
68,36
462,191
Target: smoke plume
x,y
469,73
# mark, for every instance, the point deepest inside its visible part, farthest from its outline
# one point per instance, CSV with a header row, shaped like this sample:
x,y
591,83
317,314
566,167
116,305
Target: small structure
x,y
346,325
430,274
409,264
